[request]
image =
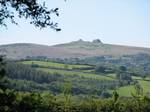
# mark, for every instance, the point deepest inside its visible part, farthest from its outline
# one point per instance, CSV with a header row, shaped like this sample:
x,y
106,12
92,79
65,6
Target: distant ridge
x,y
74,49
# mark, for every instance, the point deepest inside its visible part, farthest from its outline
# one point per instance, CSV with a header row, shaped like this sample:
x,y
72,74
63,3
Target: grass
x,y
112,76
137,78
140,78
86,75
145,85
126,90
55,65
51,65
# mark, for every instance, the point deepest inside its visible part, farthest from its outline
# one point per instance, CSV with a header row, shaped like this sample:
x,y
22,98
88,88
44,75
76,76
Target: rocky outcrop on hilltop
x,y
97,41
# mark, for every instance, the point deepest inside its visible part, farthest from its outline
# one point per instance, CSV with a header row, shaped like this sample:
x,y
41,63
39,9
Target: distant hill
x,y
73,49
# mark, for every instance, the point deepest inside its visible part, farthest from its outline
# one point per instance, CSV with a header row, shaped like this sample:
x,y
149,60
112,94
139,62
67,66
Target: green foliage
x,y
2,73
100,69
46,102
122,68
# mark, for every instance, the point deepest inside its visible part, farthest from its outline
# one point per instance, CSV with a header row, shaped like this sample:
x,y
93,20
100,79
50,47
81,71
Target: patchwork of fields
x,y
55,65
54,68
81,74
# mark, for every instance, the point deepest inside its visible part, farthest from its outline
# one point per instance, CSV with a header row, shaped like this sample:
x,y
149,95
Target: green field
x,y
86,75
127,90
55,65
54,68
49,67
140,78
145,85
112,76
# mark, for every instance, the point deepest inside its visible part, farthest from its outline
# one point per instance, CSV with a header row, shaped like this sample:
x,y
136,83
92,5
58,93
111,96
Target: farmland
x,y
55,65
54,68
74,70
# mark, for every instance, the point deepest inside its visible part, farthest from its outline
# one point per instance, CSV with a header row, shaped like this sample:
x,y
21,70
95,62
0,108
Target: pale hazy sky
x,y
124,22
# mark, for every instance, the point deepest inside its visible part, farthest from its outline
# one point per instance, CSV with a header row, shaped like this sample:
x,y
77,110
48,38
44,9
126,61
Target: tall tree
x,y
2,73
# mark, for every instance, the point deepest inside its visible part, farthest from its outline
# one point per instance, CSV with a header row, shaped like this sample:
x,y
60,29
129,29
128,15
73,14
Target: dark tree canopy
x,y
38,14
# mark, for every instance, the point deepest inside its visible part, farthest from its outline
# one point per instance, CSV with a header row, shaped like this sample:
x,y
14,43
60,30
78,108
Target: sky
x,y
123,22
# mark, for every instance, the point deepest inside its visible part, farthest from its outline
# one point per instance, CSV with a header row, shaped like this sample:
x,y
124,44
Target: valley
x,y
77,75
84,80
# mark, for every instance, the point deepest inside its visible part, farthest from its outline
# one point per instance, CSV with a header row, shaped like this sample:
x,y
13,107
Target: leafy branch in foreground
x,y
38,14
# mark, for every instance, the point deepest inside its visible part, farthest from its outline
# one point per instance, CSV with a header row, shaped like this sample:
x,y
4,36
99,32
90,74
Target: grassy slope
x,y
127,90
53,64
66,72
112,76
86,75
145,85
